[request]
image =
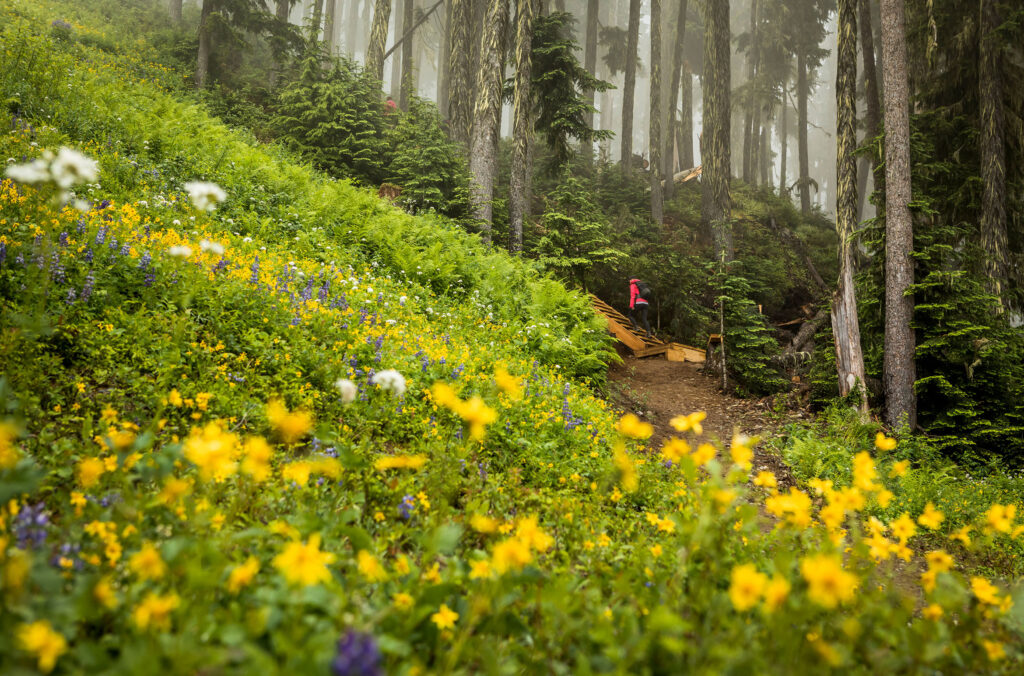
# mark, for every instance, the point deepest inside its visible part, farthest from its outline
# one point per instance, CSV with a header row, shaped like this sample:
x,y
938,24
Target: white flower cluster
x,y
212,247
180,251
391,381
348,390
65,169
205,195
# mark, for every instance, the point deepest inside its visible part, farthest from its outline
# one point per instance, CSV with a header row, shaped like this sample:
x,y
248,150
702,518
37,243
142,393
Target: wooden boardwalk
x,y
642,346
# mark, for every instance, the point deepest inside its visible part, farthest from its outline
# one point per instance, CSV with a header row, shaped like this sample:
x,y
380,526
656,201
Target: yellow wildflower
x,y
683,423
480,570
675,449
899,469
445,617
864,472
627,470
985,591
765,480
290,425
147,563
828,583
213,450
9,453
775,593
631,426
155,611
304,564
740,450
507,383
399,462
884,443
704,454
932,611
999,518
40,639
241,576
903,527
930,517
256,454
88,472
994,649
103,593
370,567
510,554
402,601
746,587
483,524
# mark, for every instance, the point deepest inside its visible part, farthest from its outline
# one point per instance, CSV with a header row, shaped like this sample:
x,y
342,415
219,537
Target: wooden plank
x,y
624,335
682,352
651,351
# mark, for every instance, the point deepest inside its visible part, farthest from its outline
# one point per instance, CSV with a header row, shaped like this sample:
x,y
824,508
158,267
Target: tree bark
x,y
629,86
763,155
715,153
378,38
522,132
442,60
748,108
898,366
408,82
802,93
783,139
482,159
657,200
590,63
330,25
396,60
686,157
993,151
460,102
175,10
317,23
845,322
673,131
205,45
873,115
283,7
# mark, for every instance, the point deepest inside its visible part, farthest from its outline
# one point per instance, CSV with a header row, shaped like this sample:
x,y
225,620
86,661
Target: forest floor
x,y
658,390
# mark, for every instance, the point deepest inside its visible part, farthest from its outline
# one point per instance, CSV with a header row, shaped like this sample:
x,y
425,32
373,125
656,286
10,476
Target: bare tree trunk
x,y
317,23
460,90
899,371
352,29
783,138
330,25
802,93
175,10
715,153
522,132
629,87
686,157
873,115
396,59
763,155
748,112
378,38
845,322
657,200
283,6
408,83
205,45
482,159
993,151
442,59
673,132
590,62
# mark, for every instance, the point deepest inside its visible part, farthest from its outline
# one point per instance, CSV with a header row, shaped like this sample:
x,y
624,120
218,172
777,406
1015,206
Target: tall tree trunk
x,y
657,200
205,45
715,153
442,60
629,86
330,25
802,93
396,59
460,102
748,108
522,133
783,139
993,150
590,62
482,159
873,114
352,29
408,83
317,23
175,10
899,371
845,322
674,126
283,7
763,155
378,38
686,158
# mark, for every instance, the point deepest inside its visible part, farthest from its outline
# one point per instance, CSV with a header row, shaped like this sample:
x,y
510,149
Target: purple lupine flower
x,y
87,288
406,507
222,264
103,205
101,235
3,252
88,255
80,227
358,655
145,261
307,293
113,244
30,525
19,259
70,300
149,278
255,279
63,238
126,250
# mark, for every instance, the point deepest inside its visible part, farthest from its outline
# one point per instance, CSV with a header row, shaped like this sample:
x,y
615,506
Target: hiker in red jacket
x,y
639,295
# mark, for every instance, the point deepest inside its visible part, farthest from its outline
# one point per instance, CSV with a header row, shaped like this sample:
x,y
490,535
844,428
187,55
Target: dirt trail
x,y
657,390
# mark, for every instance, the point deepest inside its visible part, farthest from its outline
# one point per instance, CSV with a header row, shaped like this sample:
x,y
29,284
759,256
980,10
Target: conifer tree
x,y
407,84
898,368
873,114
845,322
522,134
460,98
674,130
715,211
629,85
482,157
657,201
590,57
749,103
993,149
378,38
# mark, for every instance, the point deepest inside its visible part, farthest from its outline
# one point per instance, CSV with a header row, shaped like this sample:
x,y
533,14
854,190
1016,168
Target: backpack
x,y
643,290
